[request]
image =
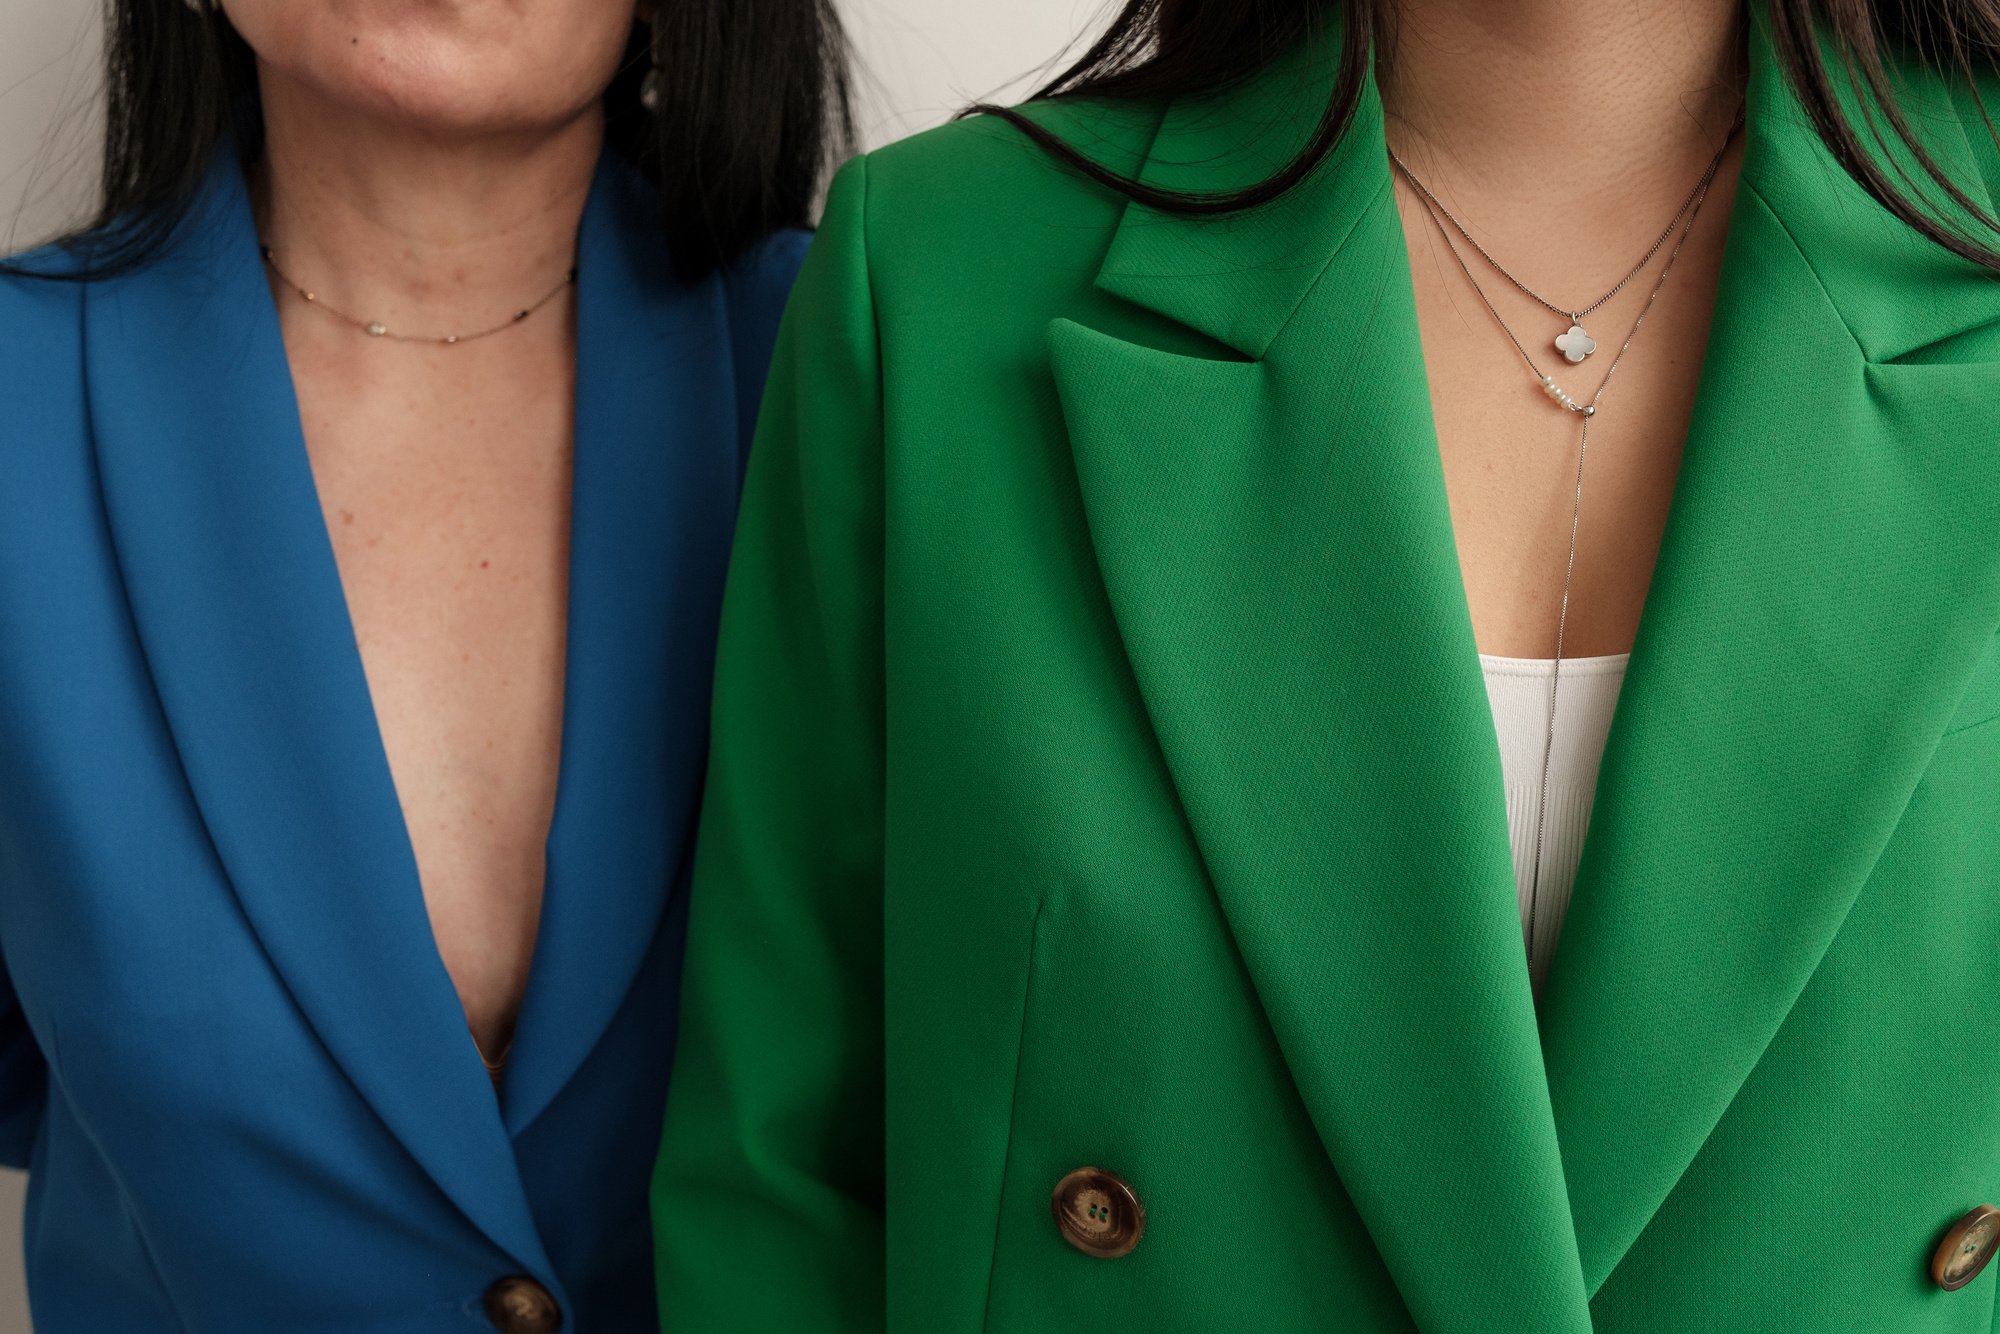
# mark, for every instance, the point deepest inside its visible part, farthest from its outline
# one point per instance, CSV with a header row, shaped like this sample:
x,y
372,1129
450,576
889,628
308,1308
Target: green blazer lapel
x,y
1829,577
1241,278
1275,540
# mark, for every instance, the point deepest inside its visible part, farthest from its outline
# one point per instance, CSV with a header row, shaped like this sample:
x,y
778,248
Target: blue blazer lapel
x,y
657,462
222,547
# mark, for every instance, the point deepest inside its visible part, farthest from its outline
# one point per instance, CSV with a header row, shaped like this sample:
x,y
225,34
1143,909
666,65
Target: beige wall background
x,y
920,61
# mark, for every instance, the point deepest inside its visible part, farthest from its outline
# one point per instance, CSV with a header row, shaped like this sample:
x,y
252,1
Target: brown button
x,y
519,1305
1966,1248
1098,1213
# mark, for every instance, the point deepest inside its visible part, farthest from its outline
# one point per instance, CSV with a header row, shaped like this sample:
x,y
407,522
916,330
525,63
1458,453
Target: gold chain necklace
x,y
378,329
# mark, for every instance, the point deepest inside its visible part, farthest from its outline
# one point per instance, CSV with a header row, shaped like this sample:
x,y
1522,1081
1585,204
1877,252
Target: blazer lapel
x,y
1828,579
1271,525
238,603
656,467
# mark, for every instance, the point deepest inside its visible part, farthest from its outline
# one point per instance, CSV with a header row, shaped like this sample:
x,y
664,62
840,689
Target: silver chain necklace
x,y
1575,342
1683,224
377,329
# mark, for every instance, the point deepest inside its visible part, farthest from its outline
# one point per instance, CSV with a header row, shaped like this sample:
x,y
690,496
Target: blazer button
x,y
1966,1248
1098,1213
518,1305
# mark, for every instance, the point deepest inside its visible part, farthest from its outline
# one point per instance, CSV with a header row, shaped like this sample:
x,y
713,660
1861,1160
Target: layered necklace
x,y
1575,344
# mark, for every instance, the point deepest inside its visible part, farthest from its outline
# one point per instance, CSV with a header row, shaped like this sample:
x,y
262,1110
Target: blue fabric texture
x,y
230,1055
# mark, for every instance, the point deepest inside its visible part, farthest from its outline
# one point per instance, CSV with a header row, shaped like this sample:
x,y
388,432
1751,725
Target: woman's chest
x,y
450,526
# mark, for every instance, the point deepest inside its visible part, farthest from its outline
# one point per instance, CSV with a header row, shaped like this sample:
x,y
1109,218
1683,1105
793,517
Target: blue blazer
x,y
230,1056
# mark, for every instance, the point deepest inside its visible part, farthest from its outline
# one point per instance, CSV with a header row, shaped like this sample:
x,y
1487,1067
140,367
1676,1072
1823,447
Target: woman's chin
x,y
447,67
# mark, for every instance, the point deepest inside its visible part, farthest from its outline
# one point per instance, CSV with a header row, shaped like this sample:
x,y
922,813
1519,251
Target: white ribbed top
x,y
1519,691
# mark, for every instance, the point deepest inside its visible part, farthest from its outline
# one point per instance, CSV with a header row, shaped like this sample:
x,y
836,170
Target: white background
x,y
920,59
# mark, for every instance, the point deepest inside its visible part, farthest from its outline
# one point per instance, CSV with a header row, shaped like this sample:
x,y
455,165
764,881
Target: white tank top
x,y
1518,689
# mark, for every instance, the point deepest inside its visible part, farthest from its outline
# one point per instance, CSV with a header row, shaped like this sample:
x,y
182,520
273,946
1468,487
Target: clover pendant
x,y
1575,344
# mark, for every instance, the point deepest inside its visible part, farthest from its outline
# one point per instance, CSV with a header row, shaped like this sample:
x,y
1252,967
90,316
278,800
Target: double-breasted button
x,y
1098,1213
1966,1248
518,1305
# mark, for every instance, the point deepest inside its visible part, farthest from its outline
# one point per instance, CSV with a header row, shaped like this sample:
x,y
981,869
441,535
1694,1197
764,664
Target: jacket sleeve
x,y
768,1195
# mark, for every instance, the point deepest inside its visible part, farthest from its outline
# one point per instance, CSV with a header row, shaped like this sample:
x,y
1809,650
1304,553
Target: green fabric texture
x,y
1103,774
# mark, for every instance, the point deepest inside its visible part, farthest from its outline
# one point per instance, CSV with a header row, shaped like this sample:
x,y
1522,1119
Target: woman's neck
x,y
413,228
1574,99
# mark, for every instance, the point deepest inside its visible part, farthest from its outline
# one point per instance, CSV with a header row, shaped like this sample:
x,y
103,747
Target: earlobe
x,y
651,90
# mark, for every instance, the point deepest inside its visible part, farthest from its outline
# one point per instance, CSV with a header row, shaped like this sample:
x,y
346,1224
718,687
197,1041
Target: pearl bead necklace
x,y
1556,395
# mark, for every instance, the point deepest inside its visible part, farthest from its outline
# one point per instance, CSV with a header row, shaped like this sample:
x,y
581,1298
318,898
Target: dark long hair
x,y
1163,49
753,112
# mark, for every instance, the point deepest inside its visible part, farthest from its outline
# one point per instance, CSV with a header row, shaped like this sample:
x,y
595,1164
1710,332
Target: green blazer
x,y
1103,776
